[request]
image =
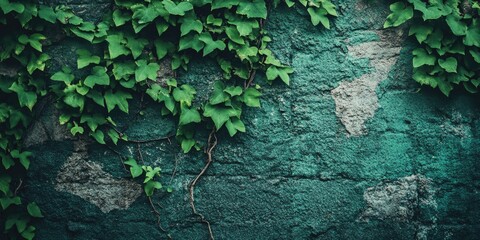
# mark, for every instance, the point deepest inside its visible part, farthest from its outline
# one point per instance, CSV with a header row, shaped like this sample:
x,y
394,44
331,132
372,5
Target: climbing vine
x,y
124,57
448,33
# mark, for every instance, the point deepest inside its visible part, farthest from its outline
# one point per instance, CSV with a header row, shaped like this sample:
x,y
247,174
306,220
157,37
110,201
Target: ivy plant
x,y
448,34
135,38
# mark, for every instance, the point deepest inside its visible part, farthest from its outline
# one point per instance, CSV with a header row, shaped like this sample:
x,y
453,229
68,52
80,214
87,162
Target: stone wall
x,y
352,149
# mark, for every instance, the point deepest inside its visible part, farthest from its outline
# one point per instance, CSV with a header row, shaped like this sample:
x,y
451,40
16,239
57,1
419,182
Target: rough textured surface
x,y
397,200
87,180
357,101
400,163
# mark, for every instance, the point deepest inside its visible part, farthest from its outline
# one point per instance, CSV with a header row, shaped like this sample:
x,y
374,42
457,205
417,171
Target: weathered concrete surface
x,y
411,171
86,179
356,101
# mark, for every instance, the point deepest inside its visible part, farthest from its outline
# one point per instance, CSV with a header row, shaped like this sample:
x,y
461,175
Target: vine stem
x,y
157,214
252,71
211,146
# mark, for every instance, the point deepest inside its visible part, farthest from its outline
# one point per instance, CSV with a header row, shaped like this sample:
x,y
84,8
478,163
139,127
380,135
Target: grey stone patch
x,y
165,71
356,101
87,180
399,200
47,128
457,125
8,71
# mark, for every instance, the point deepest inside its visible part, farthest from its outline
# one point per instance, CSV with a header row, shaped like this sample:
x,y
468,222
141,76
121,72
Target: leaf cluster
x,y
125,55
448,34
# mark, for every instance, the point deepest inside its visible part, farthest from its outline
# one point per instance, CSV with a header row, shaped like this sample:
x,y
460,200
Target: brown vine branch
x,y
211,146
18,187
152,140
120,156
157,214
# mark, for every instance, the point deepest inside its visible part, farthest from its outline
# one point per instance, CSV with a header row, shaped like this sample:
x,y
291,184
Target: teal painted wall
x,y
352,149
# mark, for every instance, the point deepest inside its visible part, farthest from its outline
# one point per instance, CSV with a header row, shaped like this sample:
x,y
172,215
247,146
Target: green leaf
x,y
421,57
177,9
123,70
210,44
146,71
87,35
184,94
218,95
421,32
245,27
190,41
120,18
163,48
6,202
7,162
251,97
76,129
93,120
234,35
444,86
220,114
85,58
253,9
449,64
47,13
422,77
214,21
5,183
187,145
25,98
472,37
234,125
96,96
136,45
458,27
329,7
34,210
216,4
189,25
119,98
146,14
22,157
400,14
274,72
135,169
475,54
470,87
28,233
65,76
161,27
116,45
98,136
319,15
99,77
8,7
37,62
150,186
245,52
434,40
113,135
74,100
189,115
233,90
